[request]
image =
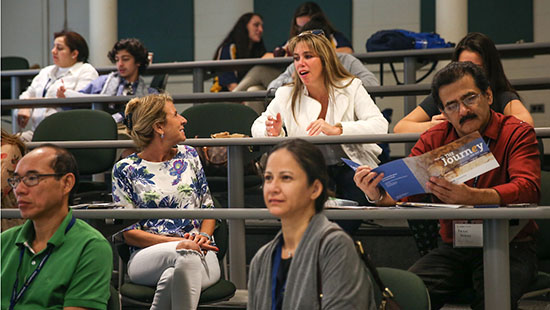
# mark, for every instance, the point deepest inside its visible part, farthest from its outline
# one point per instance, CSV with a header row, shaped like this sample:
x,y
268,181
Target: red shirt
x,y
514,145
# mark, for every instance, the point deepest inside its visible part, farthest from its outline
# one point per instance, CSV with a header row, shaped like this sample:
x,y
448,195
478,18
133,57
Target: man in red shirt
x,y
463,95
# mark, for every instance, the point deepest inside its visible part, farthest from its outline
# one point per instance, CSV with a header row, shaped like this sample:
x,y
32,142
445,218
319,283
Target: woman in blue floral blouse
x,y
176,255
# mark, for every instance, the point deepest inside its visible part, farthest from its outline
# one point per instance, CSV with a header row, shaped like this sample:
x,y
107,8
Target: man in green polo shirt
x,y
53,261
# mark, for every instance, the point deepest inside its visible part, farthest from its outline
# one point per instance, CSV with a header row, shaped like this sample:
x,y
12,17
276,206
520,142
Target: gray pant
x,y
179,276
448,272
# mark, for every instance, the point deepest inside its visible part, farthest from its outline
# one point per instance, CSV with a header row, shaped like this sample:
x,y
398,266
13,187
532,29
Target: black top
x,y
499,103
282,274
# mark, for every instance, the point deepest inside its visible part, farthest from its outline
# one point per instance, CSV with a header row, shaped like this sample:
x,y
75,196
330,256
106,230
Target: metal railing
x,y
375,91
200,69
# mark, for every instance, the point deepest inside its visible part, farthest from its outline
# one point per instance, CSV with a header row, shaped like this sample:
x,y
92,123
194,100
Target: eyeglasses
x,y
31,179
318,32
468,102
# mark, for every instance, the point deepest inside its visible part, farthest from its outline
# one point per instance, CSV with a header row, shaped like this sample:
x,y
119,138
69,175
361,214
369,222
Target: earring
x,y
162,136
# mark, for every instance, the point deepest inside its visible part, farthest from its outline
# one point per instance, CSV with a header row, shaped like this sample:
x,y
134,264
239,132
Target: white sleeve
x,y
37,85
86,76
275,106
69,93
369,119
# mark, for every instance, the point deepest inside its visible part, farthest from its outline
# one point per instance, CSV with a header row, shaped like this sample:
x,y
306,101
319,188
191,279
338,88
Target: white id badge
x,y
467,235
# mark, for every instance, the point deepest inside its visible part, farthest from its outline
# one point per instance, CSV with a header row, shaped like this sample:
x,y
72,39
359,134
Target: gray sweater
x,y
352,64
346,284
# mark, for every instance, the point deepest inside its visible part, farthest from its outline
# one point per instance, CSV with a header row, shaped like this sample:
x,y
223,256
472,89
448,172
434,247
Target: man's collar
x,y
123,81
26,234
493,128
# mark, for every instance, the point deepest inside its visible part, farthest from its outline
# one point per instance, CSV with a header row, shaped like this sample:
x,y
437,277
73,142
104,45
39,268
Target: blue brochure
x,y
457,162
353,165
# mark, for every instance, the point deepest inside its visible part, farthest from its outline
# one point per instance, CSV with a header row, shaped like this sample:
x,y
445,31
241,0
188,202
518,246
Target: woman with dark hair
x,y
305,12
309,250
479,49
243,41
175,255
70,52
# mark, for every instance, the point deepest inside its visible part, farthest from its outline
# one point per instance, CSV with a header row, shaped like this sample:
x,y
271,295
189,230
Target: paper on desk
x,y
430,205
331,201
97,205
352,207
344,204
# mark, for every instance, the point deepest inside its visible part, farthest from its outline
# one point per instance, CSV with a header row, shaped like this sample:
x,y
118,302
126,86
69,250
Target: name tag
x,y
467,234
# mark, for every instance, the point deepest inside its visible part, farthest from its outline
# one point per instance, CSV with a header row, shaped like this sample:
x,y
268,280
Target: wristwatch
x,y
382,195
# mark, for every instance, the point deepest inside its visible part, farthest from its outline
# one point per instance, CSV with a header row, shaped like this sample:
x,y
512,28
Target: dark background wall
x,y
164,26
504,21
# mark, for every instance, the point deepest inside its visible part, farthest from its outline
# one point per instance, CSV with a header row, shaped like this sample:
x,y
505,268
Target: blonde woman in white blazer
x,y
325,99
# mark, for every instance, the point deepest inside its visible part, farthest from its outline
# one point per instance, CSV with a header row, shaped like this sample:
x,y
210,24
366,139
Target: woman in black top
x,y
480,50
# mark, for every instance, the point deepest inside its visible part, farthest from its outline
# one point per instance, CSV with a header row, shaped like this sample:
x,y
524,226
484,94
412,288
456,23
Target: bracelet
x,y
206,235
382,195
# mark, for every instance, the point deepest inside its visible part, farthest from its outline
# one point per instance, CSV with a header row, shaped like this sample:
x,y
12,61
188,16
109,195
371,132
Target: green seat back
x,y
208,118
82,125
114,302
12,63
409,290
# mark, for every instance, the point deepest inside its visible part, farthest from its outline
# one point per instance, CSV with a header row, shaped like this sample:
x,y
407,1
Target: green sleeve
x,y
89,287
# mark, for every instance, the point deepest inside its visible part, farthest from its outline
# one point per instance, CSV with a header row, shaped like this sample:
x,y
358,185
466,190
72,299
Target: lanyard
x,y
46,87
16,296
50,82
477,178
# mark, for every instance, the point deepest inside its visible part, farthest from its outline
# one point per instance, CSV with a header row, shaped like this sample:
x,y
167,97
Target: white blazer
x,y
45,85
351,106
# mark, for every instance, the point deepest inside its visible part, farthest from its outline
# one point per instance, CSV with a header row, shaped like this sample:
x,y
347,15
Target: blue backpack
x,y
399,39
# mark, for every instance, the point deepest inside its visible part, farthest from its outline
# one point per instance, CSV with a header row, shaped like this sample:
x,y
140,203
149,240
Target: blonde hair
x,y
8,138
142,114
333,71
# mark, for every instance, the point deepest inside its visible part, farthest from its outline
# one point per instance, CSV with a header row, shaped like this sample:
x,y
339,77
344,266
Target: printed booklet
x,y
457,162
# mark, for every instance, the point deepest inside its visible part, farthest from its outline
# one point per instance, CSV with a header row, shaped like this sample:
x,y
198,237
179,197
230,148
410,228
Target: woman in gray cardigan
x,y
310,255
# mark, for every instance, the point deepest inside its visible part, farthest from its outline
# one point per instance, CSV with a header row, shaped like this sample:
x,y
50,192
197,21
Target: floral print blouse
x,y
178,183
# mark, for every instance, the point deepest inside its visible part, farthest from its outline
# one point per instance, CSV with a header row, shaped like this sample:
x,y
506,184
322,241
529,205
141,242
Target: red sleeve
x,y
523,168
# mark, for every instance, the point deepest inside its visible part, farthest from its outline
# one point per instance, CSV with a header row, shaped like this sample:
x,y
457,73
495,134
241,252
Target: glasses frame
x,y
467,102
15,180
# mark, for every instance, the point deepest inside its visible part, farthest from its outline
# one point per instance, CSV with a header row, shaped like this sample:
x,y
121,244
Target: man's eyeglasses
x,y
468,102
318,32
31,179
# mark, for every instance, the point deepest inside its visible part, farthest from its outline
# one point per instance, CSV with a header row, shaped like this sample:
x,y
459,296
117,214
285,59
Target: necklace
x,y
290,253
